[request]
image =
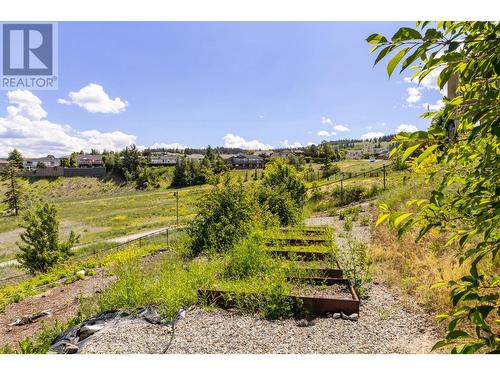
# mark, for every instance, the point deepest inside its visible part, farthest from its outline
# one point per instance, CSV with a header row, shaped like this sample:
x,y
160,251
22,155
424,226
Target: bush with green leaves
x,y
247,259
40,248
460,154
226,215
353,258
282,191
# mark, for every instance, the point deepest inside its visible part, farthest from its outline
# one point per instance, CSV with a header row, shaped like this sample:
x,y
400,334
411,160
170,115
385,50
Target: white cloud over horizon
x,y
408,128
235,141
286,144
26,128
173,146
94,99
371,135
323,133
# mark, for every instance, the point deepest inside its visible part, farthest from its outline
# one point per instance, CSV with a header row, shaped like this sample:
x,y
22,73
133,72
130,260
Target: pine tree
x,y
15,159
41,248
13,194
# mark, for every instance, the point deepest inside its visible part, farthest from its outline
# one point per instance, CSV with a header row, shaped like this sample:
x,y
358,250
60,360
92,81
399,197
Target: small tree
x,y
15,159
13,194
40,247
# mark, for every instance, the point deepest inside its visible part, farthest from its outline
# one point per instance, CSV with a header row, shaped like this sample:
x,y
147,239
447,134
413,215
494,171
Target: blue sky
x,y
196,83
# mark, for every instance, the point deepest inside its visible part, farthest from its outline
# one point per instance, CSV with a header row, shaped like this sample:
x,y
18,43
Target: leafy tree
x,y
40,247
147,178
13,193
460,151
225,216
73,161
15,159
131,162
41,164
282,191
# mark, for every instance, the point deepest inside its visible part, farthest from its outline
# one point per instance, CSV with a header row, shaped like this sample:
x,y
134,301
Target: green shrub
x,y
282,191
41,248
226,216
354,260
348,224
365,220
279,204
247,259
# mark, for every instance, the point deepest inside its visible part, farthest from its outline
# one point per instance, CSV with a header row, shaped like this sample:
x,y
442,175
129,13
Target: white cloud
x,y
433,107
261,116
326,121
414,95
429,81
408,128
371,135
25,127
341,128
285,144
235,141
173,146
323,133
95,100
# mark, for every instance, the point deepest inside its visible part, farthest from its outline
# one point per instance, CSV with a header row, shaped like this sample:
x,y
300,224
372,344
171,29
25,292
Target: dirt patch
x,y
323,291
62,301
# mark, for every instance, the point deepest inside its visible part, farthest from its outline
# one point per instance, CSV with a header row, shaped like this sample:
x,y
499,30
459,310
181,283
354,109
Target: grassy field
x,y
116,211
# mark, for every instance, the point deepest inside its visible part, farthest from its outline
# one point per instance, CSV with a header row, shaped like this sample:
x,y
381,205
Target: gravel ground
x,y
385,325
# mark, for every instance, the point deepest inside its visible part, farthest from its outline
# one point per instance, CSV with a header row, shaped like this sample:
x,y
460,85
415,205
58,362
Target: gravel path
x,y
385,325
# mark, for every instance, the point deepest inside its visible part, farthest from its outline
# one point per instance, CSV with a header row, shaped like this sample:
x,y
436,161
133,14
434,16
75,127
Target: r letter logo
x,y
29,56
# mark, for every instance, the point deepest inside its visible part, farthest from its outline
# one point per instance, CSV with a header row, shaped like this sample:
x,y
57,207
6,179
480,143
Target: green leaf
x,y
425,154
444,76
412,58
381,219
405,33
395,60
402,217
456,334
440,344
383,53
410,150
376,39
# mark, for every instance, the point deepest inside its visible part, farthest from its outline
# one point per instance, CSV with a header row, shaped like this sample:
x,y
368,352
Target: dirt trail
x,y
61,300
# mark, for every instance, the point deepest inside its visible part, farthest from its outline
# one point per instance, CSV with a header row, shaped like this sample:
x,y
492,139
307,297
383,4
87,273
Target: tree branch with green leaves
x,y
460,154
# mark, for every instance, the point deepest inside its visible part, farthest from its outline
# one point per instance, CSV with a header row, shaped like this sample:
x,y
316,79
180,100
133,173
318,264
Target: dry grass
x,y
409,266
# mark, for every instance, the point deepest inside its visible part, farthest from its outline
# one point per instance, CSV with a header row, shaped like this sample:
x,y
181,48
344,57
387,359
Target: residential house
x,y
244,161
48,161
89,161
354,154
264,153
163,159
195,157
3,164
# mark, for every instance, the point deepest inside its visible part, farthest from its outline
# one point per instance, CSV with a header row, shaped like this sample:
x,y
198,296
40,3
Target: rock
x,y
344,316
89,330
336,315
354,317
302,323
70,349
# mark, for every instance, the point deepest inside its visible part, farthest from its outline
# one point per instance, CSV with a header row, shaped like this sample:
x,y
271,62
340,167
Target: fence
x,y
386,173
165,235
